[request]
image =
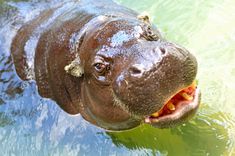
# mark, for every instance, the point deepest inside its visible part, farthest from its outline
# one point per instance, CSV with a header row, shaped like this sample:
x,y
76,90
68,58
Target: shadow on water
x,y
32,125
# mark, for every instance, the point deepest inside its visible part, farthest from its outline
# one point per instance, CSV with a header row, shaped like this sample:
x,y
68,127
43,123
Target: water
x,y
31,125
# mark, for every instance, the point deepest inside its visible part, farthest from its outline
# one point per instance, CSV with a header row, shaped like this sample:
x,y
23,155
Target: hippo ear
x,y
74,68
149,33
144,17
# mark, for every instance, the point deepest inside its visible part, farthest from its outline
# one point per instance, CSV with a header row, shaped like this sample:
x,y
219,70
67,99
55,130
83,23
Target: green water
x,y
31,125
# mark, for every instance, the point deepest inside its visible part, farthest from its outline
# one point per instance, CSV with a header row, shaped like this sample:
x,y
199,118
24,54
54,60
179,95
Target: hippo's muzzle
x,y
153,78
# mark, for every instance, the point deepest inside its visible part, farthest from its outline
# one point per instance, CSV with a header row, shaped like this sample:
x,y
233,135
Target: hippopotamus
x,y
108,63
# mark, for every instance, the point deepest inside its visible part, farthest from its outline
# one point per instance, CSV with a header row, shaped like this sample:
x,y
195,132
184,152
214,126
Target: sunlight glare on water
x,y
32,125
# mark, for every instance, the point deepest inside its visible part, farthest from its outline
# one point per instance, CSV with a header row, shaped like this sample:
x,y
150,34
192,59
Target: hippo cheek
x,y
101,109
137,99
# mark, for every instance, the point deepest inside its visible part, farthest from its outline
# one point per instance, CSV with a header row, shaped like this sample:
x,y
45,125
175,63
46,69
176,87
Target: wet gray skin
x,y
111,65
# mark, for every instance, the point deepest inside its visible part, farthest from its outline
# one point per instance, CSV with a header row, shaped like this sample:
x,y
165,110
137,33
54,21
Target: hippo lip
x,y
178,109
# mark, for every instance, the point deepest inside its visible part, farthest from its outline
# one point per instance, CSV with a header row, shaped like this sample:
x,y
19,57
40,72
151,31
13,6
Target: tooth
x,y
155,114
194,84
171,106
147,120
186,96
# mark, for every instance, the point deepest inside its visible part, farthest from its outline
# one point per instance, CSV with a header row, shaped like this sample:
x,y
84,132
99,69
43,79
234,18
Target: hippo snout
x,y
190,67
158,72
140,69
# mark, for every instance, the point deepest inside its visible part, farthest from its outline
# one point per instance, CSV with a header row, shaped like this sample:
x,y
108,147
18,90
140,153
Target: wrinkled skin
x,y
105,62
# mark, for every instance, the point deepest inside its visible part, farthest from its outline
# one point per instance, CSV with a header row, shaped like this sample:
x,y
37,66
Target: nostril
x,y
135,70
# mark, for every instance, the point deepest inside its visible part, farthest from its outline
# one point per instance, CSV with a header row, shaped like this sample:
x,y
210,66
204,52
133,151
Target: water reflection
x,y
205,135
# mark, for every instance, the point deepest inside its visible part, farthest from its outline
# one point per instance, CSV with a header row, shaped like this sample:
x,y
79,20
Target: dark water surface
x,y
31,125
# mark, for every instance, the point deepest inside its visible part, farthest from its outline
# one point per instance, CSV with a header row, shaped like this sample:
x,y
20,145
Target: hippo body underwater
x,y
107,63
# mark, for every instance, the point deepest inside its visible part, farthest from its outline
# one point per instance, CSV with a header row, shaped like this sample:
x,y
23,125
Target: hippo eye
x,y
100,67
102,72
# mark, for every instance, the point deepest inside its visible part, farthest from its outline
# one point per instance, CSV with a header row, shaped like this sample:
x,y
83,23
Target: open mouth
x,y
179,108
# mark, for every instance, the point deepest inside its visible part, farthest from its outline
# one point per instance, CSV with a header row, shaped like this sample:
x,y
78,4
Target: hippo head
x,y
131,75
